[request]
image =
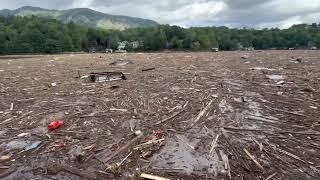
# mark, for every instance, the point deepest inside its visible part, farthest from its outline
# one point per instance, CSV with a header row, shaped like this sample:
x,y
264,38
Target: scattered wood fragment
x,y
288,154
121,110
79,172
13,118
284,111
7,172
293,156
213,145
229,167
169,118
203,112
271,176
114,154
173,115
262,119
5,157
8,120
245,129
152,177
151,142
271,131
11,107
259,144
192,147
236,153
168,169
90,147
253,159
25,100
148,69
4,167
124,159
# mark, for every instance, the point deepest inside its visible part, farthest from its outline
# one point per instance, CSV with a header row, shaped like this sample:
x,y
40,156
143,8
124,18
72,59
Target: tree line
x,y
41,35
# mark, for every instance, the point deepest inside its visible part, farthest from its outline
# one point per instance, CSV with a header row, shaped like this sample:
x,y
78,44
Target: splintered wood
x,y
152,177
253,159
213,145
123,148
202,113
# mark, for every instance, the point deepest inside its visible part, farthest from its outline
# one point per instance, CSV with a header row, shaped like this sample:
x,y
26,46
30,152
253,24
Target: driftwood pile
x,y
177,115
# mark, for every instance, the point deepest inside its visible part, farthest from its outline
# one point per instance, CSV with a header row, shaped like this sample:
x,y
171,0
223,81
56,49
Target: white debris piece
x,y
23,134
276,77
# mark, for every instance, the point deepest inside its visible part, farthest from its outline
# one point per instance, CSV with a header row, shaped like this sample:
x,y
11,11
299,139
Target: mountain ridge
x,y
83,16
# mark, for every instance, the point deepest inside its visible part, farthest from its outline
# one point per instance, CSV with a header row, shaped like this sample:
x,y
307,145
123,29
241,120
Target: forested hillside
x,y
82,16
41,35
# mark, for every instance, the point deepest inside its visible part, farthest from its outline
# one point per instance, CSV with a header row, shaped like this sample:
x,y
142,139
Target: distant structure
x,y
121,51
122,45
313,48
125,45
249,49
215,49
135,44
92,50
109,50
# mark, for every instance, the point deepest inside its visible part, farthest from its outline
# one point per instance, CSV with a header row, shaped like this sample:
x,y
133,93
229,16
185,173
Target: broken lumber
x,y
124,159
189,145
271,176
114,154
7,172
11,107
262,119
253,159
271,131
213,144
202,113
152,177
79,172
4,167
149,143
169,118
148,69
284,111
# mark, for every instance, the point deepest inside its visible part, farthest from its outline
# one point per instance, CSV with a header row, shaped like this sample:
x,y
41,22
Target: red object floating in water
x,y
55,125
158,134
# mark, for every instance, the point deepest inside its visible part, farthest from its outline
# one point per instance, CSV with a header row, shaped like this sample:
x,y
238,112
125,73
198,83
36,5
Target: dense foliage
x,y
82,16
40,35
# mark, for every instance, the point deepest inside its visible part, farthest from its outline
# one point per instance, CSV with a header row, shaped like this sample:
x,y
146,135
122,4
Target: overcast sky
x,y
232,13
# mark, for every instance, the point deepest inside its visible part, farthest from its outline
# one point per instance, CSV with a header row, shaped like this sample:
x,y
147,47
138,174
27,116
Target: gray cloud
x,y
50,4
235,13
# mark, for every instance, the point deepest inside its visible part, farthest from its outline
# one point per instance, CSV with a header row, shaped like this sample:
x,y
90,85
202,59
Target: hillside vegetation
x,y
42,35
83,16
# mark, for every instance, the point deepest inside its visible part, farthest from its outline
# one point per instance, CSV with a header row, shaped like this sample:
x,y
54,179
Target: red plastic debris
x,y
55,125
157,134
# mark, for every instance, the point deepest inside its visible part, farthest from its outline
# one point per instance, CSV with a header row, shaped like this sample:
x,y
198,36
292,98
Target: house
x,y
122,45
109,50
135,44
249,49
215,49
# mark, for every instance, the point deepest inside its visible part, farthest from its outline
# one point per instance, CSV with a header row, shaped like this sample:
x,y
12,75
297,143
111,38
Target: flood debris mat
x,y
104,77
178,116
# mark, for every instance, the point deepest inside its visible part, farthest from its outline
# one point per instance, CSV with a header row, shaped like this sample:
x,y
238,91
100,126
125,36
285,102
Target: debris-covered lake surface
x,y
174,115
